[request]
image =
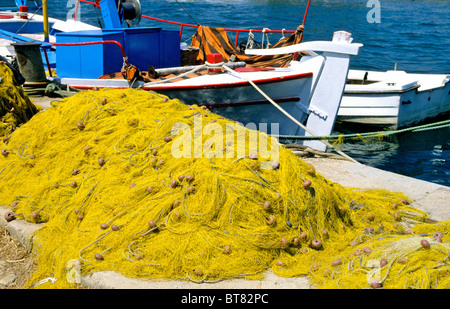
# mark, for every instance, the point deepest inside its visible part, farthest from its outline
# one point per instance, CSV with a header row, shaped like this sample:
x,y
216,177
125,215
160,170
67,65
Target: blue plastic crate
x,y
143,47
88,61
170,49
151,46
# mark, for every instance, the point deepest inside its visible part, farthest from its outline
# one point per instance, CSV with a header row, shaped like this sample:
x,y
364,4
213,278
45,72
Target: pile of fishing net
x,y
15,106
130,181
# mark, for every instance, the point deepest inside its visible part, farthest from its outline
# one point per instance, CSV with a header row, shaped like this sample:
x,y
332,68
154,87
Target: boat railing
x,y
237,31
183,25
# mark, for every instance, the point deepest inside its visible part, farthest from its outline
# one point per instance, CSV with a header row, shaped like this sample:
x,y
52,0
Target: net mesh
x,y
130,181
15,106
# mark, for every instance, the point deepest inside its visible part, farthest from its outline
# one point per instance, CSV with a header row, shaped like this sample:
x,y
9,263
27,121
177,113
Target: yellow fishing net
x,y
15,106
130,181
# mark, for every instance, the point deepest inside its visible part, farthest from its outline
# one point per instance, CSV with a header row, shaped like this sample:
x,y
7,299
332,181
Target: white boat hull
x,y
394,99
243,103
234,98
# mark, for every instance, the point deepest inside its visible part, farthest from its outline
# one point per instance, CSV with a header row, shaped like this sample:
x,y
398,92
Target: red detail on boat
x,y
214,59
231,85
253,69
23,12
6,16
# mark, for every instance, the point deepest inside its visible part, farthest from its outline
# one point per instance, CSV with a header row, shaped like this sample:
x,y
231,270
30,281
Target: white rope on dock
x,y
287,114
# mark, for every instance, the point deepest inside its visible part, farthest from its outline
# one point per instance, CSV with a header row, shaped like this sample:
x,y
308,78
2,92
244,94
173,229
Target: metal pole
x,y
46,28
306,12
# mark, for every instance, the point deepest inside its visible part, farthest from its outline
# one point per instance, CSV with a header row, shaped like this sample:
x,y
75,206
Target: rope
x,y
287,114
187,13
265,37
250,41
431,126
29,19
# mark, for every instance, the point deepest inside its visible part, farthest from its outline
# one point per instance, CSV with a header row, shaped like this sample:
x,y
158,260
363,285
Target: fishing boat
x,y
393,99
20,23
298,93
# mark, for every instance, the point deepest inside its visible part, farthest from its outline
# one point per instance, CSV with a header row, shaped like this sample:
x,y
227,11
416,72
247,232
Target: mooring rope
x,y
425,127
287,114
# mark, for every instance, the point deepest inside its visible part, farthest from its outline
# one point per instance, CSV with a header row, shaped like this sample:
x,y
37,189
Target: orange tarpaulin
x,y
216,40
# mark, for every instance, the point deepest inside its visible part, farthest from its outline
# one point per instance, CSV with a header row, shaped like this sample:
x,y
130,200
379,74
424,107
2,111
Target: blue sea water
x,y
412,34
